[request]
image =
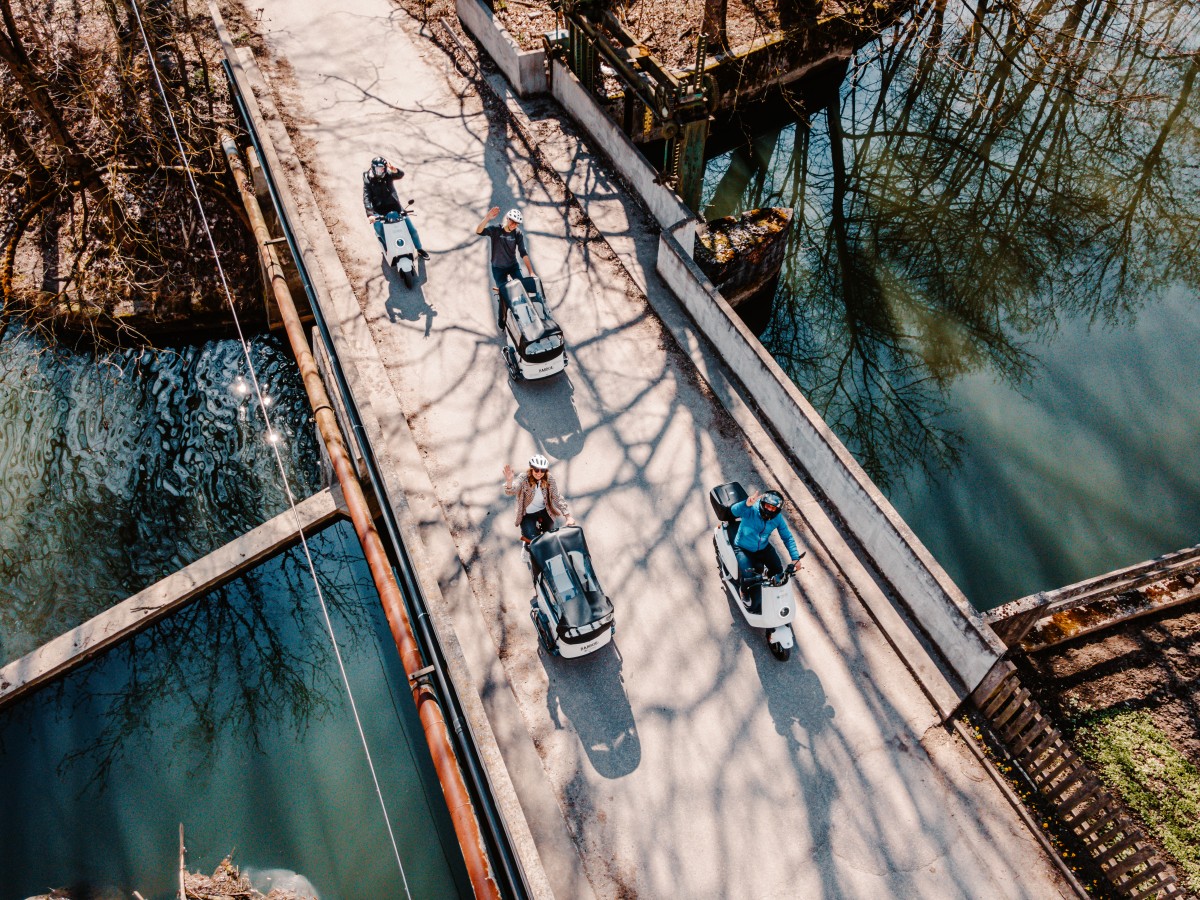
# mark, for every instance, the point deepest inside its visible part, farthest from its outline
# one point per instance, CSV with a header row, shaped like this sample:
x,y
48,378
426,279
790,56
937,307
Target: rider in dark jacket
x,y
380,198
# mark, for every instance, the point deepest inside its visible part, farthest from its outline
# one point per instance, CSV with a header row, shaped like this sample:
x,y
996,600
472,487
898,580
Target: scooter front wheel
x,y
780,652
409,278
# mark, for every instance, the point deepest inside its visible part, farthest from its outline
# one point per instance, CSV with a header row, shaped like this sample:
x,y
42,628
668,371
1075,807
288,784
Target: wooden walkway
x,y
1097,819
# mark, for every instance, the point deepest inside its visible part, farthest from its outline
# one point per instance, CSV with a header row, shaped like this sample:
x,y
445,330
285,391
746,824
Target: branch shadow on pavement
x,y
404,304
546,409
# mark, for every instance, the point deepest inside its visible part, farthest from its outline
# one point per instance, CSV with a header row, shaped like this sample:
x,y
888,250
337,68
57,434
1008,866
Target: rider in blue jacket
x,y
759,515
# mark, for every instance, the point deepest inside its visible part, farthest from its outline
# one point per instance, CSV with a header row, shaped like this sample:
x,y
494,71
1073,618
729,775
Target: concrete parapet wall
x,y
931,599
664,204
524,69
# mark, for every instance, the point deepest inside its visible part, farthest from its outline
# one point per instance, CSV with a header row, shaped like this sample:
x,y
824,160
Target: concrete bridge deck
x,y
687,762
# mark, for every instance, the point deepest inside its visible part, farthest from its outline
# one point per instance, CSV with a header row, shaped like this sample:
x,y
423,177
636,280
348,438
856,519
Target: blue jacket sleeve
x,y
739,509
785,532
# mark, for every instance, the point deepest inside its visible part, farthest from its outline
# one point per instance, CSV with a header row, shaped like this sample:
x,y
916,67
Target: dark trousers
x,y
533,524
751,561
500,275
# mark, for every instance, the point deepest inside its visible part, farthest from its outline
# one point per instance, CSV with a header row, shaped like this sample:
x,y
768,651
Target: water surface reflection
x,y
230,717
120,467
994,215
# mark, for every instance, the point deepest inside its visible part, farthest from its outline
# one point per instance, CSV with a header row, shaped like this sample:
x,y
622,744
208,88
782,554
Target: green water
x,y
119,467
230,717
992,291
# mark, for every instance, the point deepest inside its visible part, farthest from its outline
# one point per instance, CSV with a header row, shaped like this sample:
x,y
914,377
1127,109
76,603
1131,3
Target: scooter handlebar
x,y
775,580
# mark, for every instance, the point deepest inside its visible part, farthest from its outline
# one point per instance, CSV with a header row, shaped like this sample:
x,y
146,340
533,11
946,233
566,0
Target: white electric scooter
x,y
765,601
399,248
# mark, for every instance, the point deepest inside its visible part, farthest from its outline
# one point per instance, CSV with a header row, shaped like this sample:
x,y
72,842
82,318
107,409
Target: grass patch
x,y
1155,780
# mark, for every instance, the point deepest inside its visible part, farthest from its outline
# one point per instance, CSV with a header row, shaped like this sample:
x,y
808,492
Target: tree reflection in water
x,y
230,716
989,171
249,658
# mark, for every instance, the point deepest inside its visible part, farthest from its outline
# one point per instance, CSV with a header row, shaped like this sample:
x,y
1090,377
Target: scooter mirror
x,y
411,201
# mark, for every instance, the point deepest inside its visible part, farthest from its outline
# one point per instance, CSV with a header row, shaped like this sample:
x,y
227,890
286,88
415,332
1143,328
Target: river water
x,y
119,467
229,716
993,283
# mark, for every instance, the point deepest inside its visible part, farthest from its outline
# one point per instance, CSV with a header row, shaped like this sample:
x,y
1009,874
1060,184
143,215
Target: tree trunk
x,y
36,92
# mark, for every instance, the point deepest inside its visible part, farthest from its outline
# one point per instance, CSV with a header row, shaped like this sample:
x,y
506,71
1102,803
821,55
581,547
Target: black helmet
x,y
769,504
378,163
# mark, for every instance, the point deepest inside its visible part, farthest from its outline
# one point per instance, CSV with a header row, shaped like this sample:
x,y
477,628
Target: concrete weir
x,y
684,761
67,651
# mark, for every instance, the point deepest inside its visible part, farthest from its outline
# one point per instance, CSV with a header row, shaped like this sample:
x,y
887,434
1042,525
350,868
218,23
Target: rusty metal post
x,y
690,161
458,799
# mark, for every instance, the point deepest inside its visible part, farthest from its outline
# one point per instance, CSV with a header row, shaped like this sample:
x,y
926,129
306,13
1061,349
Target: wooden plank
x,y
1154,605
1153,880
1140,857
1109,583
1032,756
1097,822
1017,726
1014,706
1129,839
1080,813
999,697
1038,727
995,677
1048,760
1060,791
1045,779
127,618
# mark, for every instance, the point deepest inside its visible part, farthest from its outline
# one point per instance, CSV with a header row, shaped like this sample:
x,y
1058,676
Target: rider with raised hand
x,y
760,515
380,198
507,246
538,499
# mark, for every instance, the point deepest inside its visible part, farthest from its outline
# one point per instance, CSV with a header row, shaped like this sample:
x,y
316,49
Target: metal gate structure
x,y
655,104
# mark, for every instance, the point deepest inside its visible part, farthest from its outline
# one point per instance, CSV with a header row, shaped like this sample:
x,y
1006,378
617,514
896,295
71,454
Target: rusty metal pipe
x,y
454,788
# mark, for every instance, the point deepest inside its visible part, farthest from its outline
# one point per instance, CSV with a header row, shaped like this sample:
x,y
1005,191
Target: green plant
x,y
1155,780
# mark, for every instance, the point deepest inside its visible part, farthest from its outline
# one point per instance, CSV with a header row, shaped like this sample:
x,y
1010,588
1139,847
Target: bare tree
x,y
92,167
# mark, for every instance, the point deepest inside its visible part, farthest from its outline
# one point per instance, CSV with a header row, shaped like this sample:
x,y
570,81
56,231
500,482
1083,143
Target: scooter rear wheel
x,y
543,631
510,363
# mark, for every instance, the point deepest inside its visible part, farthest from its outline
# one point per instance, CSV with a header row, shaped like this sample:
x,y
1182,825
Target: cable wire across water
x,y
271,434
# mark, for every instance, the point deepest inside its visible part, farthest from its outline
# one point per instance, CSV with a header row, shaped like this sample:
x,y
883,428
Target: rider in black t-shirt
x,y
508,245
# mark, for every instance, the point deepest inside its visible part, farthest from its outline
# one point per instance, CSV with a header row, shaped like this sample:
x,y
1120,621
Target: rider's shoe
x,y
424,254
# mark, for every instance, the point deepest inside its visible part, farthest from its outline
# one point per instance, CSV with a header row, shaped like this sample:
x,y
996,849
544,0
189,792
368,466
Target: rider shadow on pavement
x,y
795,698
590,694
405,304
546,409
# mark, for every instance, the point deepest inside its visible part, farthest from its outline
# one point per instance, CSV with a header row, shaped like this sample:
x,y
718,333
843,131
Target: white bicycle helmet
x,y
537,461
514,215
